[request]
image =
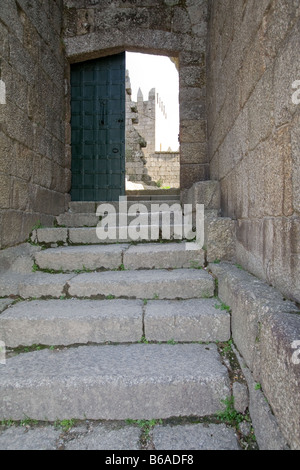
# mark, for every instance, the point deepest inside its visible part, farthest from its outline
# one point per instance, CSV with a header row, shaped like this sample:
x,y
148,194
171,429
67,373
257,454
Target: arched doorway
x,y
190,57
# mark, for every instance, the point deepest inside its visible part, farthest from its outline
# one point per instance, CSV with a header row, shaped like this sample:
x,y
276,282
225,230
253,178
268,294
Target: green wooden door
x,y
98,129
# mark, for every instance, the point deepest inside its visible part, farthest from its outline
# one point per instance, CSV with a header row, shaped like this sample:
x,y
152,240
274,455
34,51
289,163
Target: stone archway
x,y
166,29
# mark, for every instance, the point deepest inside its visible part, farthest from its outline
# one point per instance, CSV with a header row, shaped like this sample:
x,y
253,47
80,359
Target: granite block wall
x,y
253,131
34,176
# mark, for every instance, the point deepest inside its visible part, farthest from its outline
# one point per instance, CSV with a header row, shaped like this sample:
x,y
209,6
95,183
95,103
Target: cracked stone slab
x,y
65,322
10,282
43,285
138,381
195,437
162,284
18,259
71,258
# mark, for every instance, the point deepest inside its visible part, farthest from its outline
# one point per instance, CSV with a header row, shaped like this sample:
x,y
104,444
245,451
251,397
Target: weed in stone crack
x,y
195,265
226,347
83,270
32,348
222,306
28,422
65,424
143,340
171,341
7,422
145,425
230,415
249,442
36,226
35,268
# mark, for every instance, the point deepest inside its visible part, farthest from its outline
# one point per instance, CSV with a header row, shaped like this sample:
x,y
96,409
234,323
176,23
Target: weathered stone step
x,y
149,284
219,236
163,256
66,322
71,258
144,214
69,219
144,193
186,320
140,381
140,284
34,285
147,256
88,235
91,207
74,321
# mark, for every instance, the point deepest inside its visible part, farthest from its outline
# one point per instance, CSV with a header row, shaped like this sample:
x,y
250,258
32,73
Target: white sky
x,y
159,72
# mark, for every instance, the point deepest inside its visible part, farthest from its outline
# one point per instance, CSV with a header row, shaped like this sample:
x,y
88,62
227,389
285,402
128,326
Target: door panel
x,y
98,129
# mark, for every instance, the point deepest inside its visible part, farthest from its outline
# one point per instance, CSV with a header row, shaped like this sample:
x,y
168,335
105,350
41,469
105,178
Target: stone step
x,y
88,235
153,197
74,321
163,256
146,256
119,436
140,284
67,322
70,219
142,193
219,235
71,258
144,284
139,381
34,285
83,207
186,320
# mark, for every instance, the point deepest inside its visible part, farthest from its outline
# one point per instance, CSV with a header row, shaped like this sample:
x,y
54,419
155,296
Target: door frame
x,y
105,134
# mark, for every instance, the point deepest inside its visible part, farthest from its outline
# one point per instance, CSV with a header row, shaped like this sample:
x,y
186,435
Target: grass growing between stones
x,y
11,352
65,424
230,415
147,427
237,420
222,306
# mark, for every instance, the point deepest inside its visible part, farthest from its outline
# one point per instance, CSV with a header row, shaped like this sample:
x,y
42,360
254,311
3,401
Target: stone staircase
x,y
104,316
119,333
126,331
